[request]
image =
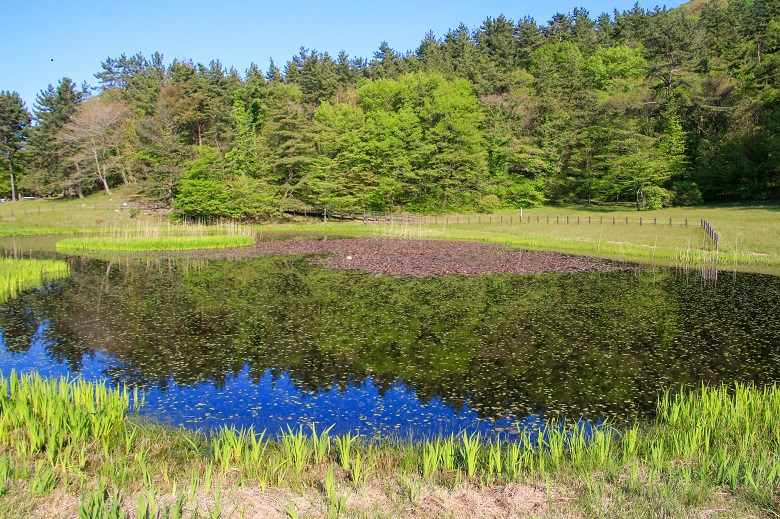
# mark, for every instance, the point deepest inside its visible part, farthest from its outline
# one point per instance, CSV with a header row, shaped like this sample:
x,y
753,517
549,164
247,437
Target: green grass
x,y
715,448
748,231
66,216
18,275
152,243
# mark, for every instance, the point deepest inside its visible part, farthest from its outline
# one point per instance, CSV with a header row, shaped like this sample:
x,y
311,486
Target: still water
x,y
278,341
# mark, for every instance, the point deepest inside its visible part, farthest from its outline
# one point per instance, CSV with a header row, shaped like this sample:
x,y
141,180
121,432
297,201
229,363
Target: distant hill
x,y
695,6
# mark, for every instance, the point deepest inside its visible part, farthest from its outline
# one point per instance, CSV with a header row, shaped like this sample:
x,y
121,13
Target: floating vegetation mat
x,y
418,258
18,275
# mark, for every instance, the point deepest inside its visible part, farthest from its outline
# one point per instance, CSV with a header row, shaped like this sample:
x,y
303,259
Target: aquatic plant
x,y
152,243
702,441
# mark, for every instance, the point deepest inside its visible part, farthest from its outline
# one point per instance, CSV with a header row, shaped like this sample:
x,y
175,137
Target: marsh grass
x,y
713,447
150,237
152,244
18,275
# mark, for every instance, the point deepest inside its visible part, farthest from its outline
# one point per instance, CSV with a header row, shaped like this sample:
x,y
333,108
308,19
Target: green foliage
x,y
687,193
657,197
417,136
577,108
14,124
611,69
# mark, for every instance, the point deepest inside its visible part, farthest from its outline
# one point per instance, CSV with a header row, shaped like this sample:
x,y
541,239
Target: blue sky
x,y
79,35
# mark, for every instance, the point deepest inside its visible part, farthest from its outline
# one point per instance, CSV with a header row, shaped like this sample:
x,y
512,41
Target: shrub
x,y
657,197
686,193
488,204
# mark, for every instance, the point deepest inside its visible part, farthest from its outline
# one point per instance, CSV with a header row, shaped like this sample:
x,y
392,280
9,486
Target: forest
x,y
652,107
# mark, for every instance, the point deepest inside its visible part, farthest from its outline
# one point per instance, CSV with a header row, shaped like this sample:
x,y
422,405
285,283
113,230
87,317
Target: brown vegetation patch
x,y
417,258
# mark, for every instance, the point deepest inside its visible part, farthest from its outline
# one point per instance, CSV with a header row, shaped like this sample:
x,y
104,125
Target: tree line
x,y
656,107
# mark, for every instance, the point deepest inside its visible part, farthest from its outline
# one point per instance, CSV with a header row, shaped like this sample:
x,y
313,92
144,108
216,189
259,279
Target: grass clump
x,y
18,275
152,243
151,237
711,448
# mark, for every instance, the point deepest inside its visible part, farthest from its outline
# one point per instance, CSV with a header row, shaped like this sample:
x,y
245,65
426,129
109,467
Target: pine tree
x,y
14,127
49,167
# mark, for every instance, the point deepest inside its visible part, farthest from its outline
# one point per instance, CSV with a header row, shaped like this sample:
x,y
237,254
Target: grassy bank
x,y
70,448
18,275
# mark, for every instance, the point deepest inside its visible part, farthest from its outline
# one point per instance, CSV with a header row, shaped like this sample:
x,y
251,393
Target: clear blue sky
x,y
79,35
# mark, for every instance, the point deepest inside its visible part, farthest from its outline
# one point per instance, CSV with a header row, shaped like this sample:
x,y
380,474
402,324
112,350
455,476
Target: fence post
x,y
626,220
640,221
686,222
670,222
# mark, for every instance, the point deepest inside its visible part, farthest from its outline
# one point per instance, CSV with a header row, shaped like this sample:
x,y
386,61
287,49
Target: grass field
x,y
749,232
71,448
65,216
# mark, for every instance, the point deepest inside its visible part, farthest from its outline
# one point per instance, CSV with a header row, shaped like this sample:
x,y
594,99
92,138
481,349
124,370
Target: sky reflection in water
x,y
277,341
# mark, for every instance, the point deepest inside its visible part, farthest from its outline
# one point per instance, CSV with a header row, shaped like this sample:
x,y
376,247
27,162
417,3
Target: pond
x,y
277,340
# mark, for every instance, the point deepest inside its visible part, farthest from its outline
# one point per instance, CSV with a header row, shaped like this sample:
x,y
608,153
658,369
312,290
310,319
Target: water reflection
x,y
277,340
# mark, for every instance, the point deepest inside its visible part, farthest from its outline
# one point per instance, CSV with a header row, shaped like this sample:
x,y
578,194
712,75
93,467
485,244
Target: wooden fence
x,y
389,217
709,230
